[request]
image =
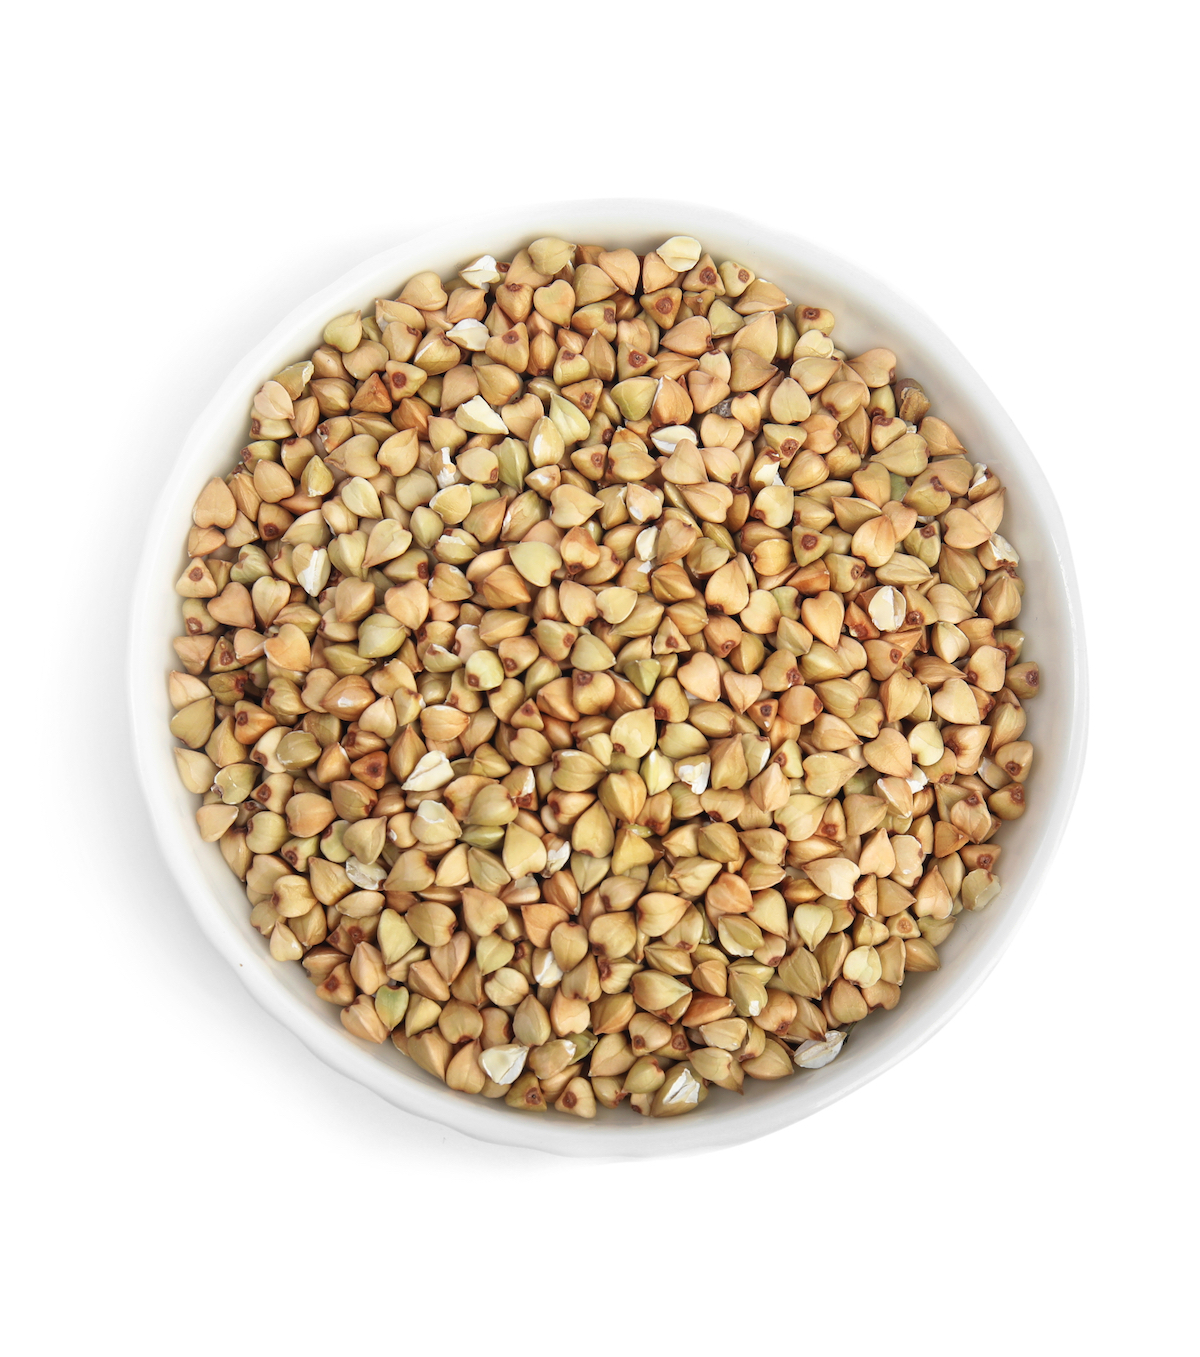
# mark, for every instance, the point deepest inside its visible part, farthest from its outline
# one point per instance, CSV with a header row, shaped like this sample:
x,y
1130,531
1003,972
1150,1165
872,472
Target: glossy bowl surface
x,y
868,314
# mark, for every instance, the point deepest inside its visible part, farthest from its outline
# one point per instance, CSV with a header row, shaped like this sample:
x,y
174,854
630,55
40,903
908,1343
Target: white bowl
x,y
868,314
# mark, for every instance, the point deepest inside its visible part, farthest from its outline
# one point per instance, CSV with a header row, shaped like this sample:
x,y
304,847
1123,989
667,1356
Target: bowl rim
x,y
328,1043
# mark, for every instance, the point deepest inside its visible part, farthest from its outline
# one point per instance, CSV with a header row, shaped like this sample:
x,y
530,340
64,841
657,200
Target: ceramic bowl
x,y
868,314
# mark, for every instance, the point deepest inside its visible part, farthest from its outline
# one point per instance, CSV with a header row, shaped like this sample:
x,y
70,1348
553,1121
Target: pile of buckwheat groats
x,y
605,687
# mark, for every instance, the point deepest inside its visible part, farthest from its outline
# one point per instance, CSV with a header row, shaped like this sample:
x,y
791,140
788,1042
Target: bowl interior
x,y
868,314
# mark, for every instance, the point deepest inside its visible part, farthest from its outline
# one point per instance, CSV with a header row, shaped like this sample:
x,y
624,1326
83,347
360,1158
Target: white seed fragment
x,y
367,875
471,335
645,544
811,1055
432,771
546,970
666,439
694,773
887,609
444,471
481,273
477,416
684,1087
1003,550
453,503
502,1064
680,253
315,575
813,344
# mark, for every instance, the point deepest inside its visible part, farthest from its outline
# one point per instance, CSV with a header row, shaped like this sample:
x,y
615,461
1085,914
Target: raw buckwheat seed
x,y
605,687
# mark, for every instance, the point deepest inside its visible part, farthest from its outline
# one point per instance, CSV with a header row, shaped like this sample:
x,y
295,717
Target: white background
x,y
181,1175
